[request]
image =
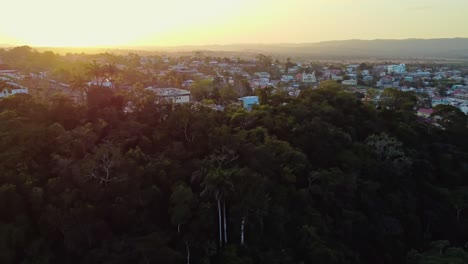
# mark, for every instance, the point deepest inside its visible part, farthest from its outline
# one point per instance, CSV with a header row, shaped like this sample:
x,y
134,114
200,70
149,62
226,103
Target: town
x,y
219,81
209,157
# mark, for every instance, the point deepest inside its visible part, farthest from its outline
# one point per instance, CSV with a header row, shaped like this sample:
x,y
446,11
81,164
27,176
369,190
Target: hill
x,y
456,48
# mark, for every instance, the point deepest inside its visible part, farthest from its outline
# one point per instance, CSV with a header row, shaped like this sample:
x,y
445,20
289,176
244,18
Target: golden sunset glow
x,y
184,22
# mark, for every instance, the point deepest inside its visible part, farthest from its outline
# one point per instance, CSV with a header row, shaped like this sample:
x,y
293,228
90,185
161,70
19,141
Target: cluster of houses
x,y
289,77
9,83
429,82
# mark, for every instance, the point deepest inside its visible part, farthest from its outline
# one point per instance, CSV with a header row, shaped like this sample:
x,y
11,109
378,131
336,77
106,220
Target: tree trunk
x,y
459,211
220,225
225,225
188,253
178,228
242,230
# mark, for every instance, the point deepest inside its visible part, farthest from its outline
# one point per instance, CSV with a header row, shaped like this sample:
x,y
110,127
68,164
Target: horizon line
x,y
126,46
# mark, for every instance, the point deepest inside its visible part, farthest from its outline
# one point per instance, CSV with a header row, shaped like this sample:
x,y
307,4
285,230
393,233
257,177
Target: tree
x,y
442,90
329,85
79,84
395,99
251,198
264,61
363,66
95,70
139,97
109,71
227,95
181,200
201,89
102,164
441,252
450,117
424,101
218,183
371,94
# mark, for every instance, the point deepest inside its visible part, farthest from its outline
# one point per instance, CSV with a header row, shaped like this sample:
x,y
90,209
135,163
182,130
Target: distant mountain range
x,y
456,48
437,49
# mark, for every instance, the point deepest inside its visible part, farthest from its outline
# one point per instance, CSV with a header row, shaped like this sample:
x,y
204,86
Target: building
x,y
262,75
9,92
464,108
352,68
309,78
187,83
396,68
336,77
367,78
287,78
249,102
293,70
102,84
9,73
173,95
349,82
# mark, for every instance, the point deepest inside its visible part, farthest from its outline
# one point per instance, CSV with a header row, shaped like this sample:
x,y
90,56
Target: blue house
x,y
249,101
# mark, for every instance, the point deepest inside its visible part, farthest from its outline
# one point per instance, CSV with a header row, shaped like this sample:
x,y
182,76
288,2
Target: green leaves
x,y
323,178
181,204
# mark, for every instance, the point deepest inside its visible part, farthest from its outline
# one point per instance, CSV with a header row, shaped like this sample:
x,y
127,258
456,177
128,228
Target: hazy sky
x,y
193,22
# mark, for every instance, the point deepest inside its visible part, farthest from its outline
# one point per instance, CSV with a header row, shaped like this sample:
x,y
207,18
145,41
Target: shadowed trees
x,y
322,178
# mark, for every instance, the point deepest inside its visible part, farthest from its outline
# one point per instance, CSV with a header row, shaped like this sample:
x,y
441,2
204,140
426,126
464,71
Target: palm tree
x,y
95,70
109,71
79,84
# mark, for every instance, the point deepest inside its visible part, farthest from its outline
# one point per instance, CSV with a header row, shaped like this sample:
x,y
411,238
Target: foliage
x,y
322,178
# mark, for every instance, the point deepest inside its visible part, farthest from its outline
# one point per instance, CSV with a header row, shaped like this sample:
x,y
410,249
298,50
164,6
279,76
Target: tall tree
x,y
218,183
95,70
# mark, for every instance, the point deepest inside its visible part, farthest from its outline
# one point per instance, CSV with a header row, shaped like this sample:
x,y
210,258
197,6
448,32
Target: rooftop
x,y
168,91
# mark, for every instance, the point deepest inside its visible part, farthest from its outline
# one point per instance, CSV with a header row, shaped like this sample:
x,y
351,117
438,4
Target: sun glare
x,y
99,23
187,22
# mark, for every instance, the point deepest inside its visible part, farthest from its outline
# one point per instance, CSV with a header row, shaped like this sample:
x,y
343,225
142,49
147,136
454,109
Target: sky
x,y
205,22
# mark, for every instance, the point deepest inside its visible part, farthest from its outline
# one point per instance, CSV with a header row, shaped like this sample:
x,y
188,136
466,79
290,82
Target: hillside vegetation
x,y
324,178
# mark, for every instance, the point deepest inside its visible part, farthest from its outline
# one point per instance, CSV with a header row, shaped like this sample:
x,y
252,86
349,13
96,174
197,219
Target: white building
x,y
349,82
367,78
464,108
173,95
336,77
262,75
9,73
397,68
102,84
287,78
10,92
309,78
293,70
187,83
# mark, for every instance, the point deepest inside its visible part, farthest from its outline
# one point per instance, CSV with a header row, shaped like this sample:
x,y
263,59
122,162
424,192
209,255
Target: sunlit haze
x,y
188,22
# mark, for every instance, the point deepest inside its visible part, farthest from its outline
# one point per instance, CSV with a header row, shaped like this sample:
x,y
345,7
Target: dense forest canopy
x,y
322,178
